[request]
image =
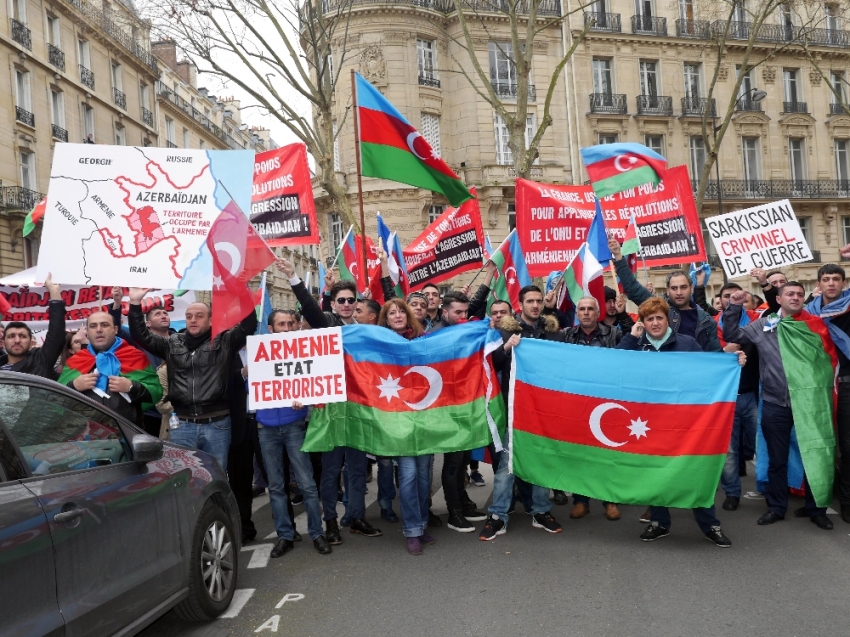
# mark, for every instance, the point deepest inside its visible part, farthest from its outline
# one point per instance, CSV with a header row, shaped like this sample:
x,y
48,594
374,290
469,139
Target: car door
x,y
113,521
28,603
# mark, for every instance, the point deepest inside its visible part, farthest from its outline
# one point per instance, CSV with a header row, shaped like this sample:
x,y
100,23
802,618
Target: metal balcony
x,y
147,117
795,107
748,105
699,29
86,77
649,25
170,144
837,109
60,133
655,105
56,57
24,117
21,34
425,80
18,198
772,189
119,98
608,103
510,91
608,22
698,106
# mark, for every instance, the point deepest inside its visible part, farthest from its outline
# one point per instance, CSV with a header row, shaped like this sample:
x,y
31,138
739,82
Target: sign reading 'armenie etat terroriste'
x,y
121,215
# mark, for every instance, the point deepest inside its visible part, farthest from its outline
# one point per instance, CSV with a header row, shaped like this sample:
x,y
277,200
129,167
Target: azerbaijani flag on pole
x,y
488,248
655,437
390,148
511,272
434,394
583,277
34,216
322,284
613,168
631,243
349,259
395,259
810,361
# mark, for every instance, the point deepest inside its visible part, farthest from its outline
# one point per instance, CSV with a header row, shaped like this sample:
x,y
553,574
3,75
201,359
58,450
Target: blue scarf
x,y
107,364
839,306
657,344
705,267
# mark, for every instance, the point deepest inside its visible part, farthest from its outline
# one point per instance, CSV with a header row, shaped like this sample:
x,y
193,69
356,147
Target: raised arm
x,y
732,331
633,289
139,331
309,308
54,340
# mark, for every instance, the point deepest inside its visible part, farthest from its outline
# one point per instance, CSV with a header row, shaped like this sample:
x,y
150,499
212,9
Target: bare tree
x,y
280,54
527,20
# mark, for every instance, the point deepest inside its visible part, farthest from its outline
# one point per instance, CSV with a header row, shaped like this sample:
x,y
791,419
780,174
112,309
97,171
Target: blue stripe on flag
x,y
370,97
593,154
647,377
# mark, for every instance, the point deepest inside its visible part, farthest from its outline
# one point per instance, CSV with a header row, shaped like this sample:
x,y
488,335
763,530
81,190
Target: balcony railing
x,y
170,144
119,98
748,105
795,107
649,25
21,34
777,33
610,103
698,106
116,32
147,117
693,29
164,92
86,77
60,133
56,57
609,22
24,117
18,198
836,109
510,91
551,8
655,105
425,80
772,189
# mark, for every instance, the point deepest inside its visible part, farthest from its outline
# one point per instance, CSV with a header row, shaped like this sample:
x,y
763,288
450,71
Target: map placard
x,y
123,215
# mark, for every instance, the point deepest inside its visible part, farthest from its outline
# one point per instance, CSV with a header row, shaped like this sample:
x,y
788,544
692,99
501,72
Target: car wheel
x,y
213,567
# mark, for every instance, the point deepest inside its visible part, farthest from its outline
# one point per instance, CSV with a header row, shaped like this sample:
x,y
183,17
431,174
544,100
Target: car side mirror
x,y
146,448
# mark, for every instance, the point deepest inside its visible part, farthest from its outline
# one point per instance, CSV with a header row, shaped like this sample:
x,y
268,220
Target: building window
x,y
747,85
845,230
27,170
337,155
330,64
120,136
19,10
426,51
697,152
435,211
31,245
431,130
22,90
707,242
654,142
649,84
791,82
117,83
202,144
170,133
837,80
144,95
797,160
186,138
54,31
502,67
504,156
57,108
750,152
608,139
83,51
692,73
336,232
687,12
88,124
511,217
806,229
842,166
832,20
603,78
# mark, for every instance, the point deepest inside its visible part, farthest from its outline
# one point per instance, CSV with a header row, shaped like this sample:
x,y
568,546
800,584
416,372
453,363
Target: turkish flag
x,y
238,255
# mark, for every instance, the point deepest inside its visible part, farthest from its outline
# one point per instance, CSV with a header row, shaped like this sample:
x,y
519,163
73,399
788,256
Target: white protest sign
x,y
767,236
305,366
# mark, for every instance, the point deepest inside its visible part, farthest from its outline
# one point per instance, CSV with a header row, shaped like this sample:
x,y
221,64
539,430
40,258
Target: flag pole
x,y
359,178
643,261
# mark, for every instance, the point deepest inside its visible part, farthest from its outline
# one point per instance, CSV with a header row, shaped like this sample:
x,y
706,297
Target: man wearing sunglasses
x,y
343,301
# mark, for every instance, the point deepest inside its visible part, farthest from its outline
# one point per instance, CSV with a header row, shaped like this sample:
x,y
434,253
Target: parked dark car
x,y
103,528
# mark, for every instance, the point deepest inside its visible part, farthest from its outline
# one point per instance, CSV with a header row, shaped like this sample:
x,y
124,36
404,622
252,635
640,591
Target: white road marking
x,y
290,597
259,502
240,598
261,555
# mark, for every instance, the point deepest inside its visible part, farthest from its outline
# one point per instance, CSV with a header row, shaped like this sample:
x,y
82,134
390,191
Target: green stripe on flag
x,y
624,181
574,287
684,482
810,375
409,433
632,246
389,162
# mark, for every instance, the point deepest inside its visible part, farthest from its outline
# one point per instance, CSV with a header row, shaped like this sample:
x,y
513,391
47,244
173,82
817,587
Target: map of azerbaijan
x,y
119,215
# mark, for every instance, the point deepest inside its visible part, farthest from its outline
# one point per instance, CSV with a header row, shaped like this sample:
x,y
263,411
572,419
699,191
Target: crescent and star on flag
x,y
411,142
631,162
638,428
390,387
235,261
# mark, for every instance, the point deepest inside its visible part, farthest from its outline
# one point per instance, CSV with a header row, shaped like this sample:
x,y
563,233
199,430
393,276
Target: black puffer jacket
x,y
41,361
197,379
603,336
311,310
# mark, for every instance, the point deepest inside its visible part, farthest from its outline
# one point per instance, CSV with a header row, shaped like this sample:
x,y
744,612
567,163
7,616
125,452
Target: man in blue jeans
x,y
282,430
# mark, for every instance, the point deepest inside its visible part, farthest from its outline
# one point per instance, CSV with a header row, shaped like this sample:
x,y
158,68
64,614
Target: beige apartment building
x,y
641,75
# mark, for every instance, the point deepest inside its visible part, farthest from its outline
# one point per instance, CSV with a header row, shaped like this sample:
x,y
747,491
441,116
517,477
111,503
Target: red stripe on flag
x,y
608,167
672,430
395,387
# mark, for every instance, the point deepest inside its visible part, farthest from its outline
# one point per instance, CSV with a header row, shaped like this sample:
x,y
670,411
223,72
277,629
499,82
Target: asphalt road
x,y
594,579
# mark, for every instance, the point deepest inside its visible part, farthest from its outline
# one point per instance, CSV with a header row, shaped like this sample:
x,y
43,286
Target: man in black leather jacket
x,y
199,369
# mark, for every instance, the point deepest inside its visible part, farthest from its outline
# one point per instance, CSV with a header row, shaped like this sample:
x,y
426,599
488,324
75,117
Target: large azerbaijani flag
x,y
613,168
658,436
434,394
390,148
511,272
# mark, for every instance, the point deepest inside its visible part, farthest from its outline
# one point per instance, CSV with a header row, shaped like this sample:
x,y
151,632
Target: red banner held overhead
x,y
282,208
666,217
450,245
552,222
